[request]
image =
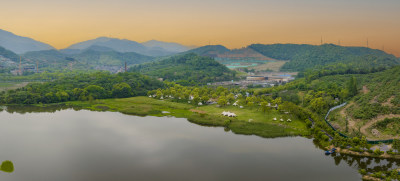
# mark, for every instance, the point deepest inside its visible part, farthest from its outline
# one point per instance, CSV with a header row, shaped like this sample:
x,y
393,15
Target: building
x,y
256,78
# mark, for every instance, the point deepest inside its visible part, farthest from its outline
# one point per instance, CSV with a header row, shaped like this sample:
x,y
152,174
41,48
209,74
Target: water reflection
x,y
368,163
23,109
112,146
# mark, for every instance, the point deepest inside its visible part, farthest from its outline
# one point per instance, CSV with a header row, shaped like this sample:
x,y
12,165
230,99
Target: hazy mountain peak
x,y
19,44
150,48
169,46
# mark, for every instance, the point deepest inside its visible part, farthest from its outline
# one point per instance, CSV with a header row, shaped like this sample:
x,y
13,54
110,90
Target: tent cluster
x,y
229,114
289,120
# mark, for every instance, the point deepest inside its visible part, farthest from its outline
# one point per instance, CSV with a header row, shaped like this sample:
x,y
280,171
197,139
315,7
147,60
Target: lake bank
x,y
114,146
248,121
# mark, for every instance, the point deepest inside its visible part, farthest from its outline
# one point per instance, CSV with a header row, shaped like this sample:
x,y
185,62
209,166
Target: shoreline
x,y
363,154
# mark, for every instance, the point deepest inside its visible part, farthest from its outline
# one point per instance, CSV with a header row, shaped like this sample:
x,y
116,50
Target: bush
x,y
378,152
7,166
362,172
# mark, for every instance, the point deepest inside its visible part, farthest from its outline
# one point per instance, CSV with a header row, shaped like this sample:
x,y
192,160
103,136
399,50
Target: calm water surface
x,y
70,145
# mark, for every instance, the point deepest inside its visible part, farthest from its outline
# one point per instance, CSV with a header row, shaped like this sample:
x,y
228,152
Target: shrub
x,y
362,172
7,166
378,152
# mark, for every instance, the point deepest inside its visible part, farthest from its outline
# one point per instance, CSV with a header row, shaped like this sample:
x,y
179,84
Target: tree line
x,y
99,85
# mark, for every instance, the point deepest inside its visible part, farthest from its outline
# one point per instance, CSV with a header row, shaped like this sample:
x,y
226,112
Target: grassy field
x,y
248,122
274,66
4,86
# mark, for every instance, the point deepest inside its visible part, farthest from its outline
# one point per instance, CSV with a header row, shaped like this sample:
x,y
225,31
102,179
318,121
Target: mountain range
x,y
150,48
21,45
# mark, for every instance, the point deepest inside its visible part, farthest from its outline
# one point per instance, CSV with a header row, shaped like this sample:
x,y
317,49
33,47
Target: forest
x,y
303,57
188,69
84,87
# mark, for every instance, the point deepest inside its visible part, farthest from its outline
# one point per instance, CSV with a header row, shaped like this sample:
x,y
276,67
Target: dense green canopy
x,y
189,69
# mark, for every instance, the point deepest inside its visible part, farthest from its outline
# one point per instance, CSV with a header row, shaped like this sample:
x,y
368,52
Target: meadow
x,y
248,121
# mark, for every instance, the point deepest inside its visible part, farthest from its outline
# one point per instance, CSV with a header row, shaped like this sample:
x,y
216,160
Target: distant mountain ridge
x,y
19,44
149,48
94,57
169,46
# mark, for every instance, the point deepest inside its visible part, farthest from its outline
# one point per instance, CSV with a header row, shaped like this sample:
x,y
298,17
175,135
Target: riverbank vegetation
x,y
100,85
248,121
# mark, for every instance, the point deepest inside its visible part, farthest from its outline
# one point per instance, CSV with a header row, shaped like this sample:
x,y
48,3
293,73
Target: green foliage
x,y
189,69
362,172
303,57
378,152
7,166
84,87
9,54
396,145
352,86
121,90
209,50
207,120
87,59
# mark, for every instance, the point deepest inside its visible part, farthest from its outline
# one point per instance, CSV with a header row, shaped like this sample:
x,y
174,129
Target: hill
x,y
188,69
302,57
7,54
150,48
7,59
168,46
376,104
209,50
94,57
19,44
113,43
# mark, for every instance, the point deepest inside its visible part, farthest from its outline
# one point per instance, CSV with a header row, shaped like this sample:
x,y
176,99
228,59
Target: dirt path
x,y
365,90
375,120
388,102
343,113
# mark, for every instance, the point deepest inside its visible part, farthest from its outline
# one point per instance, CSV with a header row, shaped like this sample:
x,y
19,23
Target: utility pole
x,y
125,66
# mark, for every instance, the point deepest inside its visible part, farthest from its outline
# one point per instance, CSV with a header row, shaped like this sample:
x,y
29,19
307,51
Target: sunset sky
x,y
233,23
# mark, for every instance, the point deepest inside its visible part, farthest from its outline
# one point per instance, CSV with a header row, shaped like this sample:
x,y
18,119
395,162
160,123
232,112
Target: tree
x,y
264,106
121,90
396,145
96,91
222,101
205,98
352,86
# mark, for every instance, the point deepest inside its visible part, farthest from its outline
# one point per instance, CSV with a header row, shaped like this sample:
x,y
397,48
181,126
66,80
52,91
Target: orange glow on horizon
x,y
234,24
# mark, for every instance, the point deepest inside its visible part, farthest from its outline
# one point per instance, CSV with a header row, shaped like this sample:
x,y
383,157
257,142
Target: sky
x,y
232,23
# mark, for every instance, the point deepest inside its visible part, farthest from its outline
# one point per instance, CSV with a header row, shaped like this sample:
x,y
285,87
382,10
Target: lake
x,y
69,145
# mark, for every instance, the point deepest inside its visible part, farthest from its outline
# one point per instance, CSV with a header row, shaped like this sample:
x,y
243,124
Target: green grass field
x,y
4,86
248,121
